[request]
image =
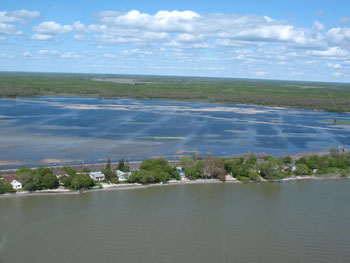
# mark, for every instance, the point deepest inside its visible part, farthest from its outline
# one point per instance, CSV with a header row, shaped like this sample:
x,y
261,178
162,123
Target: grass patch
x,y
337,121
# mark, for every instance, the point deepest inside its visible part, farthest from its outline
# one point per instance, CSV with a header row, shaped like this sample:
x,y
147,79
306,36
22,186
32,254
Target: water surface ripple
x,y
291,222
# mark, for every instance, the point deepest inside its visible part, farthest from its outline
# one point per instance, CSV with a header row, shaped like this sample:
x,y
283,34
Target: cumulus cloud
x,y
344,20
9,19
80,27
318,26
19,16
237,41
339,36
27,54
297,73
52,28
178,28
41,37
338,74
6,56
331,65
70,55
165,21
261,73
47,52
330,52
9,29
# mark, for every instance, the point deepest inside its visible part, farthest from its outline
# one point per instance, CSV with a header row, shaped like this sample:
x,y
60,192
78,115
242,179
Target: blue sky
x,y
297,40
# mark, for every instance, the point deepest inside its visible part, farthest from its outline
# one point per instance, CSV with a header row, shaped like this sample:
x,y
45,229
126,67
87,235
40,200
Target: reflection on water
x,y
90,129
291,222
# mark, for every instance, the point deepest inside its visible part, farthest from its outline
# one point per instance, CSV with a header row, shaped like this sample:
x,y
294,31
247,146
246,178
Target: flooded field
x,y
53,130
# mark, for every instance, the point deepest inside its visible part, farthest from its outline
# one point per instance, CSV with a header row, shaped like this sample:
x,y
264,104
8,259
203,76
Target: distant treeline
x,y
311,95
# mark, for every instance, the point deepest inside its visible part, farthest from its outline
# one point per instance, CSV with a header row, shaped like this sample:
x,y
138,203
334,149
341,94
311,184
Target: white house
x,y
16,185
123,176
97,176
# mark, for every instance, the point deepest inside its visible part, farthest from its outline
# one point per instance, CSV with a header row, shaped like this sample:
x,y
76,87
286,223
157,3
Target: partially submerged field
x,y
311,95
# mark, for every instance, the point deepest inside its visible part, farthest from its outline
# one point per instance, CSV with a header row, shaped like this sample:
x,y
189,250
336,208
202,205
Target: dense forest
x,y
311,95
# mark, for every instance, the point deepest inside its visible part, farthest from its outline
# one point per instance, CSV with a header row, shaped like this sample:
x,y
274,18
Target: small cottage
x,y
16,185
123,176
97,176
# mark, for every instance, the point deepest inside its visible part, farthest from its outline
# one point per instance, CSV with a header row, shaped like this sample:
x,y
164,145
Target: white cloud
x,y
9,29
41,37
330,52
189,37
27,54
81,37
21,16
318,26
297,73
110,55
165,21
6,56
338,74
339,36
47,52
136,51
344,20
9,19
70,55
78,26
178,28
52,28
261,73
331,65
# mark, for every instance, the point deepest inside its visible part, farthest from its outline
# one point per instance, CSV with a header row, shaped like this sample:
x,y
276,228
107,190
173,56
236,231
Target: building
x,y
16,185
123,176
97,176
180,171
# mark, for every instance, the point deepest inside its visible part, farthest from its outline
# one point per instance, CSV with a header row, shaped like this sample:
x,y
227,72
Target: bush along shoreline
x,y
245,169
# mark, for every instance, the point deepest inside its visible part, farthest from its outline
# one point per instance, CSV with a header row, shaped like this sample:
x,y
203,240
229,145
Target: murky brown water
x,y
289,222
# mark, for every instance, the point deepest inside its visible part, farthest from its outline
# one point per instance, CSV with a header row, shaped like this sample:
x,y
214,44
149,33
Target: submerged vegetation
x,y
337,121
312,95
162,139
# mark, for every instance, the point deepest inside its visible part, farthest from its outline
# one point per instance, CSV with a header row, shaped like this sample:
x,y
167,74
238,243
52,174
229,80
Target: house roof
x,y
96,174
10,178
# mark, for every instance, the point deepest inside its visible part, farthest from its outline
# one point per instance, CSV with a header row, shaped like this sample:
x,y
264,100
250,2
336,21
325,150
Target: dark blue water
x,y
91,129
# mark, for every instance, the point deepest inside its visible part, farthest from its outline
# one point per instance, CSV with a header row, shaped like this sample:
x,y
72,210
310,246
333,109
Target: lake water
x,y
37,131
306,221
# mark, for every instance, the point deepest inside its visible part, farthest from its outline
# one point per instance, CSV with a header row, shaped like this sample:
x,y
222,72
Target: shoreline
x,y
115,187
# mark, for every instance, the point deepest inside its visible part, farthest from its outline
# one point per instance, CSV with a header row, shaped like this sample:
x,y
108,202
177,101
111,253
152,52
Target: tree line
x,y
245,169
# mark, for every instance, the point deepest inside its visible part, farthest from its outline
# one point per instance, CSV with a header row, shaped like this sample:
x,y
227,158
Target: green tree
x,y
78,181
287,160
39,179
86,170
109,173
69,170
5,187
302,169
155,171
123,166
271,168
